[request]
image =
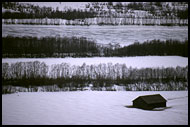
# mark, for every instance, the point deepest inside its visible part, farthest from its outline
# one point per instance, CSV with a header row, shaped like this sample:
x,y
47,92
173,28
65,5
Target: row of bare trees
x,y
124,20
110,71
74,77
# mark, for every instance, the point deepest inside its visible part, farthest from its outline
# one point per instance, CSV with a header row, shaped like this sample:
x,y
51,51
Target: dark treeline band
x,y
33,47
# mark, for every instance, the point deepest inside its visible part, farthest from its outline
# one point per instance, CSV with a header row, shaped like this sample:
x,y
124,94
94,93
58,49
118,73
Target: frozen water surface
x,y
91,107
124,35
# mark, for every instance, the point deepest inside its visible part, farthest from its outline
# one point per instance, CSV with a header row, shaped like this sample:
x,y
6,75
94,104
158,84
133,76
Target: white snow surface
x,y
122,35
135,62
91,108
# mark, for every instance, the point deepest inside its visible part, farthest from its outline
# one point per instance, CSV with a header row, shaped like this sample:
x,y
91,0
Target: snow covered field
x,y
124,35
91,107
138,61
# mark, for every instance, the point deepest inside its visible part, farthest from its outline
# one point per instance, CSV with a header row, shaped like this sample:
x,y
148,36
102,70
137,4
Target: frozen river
x,y
124,35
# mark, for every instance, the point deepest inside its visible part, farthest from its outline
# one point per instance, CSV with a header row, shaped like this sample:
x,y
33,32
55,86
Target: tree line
x,y
155,47
95,9
48,47
68,15
108,71
29,11
140,86
124,20
64,75
33,47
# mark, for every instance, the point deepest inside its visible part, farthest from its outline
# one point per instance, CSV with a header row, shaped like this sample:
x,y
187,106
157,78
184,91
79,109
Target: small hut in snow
x,y
149,102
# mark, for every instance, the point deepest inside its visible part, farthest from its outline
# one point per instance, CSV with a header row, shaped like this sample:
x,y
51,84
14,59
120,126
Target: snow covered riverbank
x,y
91,107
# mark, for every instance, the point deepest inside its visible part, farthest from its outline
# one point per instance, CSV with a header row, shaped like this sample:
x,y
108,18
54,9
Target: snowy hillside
x,y
91,108
100,13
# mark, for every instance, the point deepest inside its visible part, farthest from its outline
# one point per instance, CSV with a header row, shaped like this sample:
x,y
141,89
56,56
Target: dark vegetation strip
x,y
31,12
69,15
158,10
34,74
45,12
48,47
33,47
155,47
